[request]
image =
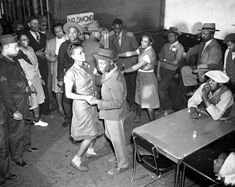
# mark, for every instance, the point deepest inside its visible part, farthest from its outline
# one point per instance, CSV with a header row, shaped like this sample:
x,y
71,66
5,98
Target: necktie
x,y
37,36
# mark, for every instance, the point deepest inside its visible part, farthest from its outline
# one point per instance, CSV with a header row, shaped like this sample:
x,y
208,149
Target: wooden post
x,y
48,15
35,7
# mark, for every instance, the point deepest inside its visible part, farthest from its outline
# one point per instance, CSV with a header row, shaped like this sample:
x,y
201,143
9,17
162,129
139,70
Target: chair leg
x,y
134,164
153,179
183,176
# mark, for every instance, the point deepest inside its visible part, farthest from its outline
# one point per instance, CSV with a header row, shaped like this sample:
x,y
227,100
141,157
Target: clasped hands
x,y
91,100
194,113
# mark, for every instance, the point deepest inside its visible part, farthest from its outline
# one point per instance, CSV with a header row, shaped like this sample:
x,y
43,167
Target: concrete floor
x,y
50,166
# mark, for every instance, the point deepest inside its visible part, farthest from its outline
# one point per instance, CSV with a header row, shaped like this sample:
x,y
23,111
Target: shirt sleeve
x,y
196,99
216,111
147,59
138,51
69,77
179,53
61,62
225,59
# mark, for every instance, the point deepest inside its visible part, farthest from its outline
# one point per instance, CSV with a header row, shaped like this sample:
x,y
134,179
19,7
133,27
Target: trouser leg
x,y
131,86
164,84
16,138
4,153
189,79
116,134
67,103
27,135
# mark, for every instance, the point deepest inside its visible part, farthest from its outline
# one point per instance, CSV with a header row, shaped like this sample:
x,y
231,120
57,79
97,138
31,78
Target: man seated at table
x,y
224,168
212,97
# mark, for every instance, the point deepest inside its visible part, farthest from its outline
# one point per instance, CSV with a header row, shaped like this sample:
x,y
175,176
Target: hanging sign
x,y
82,19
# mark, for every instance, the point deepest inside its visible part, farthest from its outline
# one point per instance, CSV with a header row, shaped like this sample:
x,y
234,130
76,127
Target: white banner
x,y
82,19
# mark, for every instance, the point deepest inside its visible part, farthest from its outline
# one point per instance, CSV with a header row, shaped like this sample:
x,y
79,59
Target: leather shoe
x,y
10,176
22,163
116,170
80,167
32,149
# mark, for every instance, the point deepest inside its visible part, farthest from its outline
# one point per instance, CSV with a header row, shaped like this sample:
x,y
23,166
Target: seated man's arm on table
x,y
216,111
194,101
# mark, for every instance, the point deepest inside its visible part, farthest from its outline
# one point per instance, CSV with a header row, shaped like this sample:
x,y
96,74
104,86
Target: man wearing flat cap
x,y
213,97
170,56
73,31
14,96
208,53
229,60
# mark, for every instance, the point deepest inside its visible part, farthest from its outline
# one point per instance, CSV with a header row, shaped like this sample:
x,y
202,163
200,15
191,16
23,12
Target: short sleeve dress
x,y
85,116
146,94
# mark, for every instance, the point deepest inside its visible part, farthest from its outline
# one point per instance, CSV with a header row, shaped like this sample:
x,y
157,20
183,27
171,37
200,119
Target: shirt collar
x,y
107,75
175,43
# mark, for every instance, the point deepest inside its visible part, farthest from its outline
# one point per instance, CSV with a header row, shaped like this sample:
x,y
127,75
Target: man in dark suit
x,y
37,41
209,55
121,42
14,95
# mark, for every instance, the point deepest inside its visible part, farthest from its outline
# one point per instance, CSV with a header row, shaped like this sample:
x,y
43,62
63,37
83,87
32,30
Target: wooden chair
x,y
146,153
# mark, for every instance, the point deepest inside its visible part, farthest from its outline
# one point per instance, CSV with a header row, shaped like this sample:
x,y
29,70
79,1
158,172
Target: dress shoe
x,y
79,167
41,123
117,170
22,163
32,149
10,176
65,124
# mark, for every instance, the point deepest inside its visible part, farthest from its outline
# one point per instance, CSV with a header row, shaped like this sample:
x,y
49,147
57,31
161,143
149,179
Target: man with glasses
x,y
121,42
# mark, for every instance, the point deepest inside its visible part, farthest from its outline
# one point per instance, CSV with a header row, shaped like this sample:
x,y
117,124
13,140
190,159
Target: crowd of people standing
x,y
94,87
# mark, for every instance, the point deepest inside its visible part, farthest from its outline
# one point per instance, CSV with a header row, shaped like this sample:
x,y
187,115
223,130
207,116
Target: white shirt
x,y
225,58
35,35
206,44
146,57
120,39
58,43
216,111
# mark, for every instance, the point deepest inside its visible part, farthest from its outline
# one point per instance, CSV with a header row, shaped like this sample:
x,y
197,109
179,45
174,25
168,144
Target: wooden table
x,y
177,135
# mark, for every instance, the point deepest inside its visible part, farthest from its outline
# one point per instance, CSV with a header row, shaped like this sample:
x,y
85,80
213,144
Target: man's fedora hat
x,y
72,24
105,54
208,27
93,27
229,38
7,39
173,30
218,76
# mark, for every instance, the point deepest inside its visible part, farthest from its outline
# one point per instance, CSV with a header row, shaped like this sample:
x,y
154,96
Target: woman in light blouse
x,y
146,95
29,63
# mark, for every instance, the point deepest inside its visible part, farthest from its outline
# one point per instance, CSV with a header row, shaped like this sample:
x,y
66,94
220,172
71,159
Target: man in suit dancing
x,y
121,42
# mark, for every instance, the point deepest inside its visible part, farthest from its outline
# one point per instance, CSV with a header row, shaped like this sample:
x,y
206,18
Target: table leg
x,y
177,174
183,176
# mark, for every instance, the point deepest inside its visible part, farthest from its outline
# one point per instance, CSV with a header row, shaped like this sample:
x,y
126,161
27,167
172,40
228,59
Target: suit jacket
x,y
91,46
43,66
212,54
128,43
113,104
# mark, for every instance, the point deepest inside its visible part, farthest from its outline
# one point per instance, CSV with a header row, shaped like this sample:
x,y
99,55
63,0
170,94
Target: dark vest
x,y
230,67
216,99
